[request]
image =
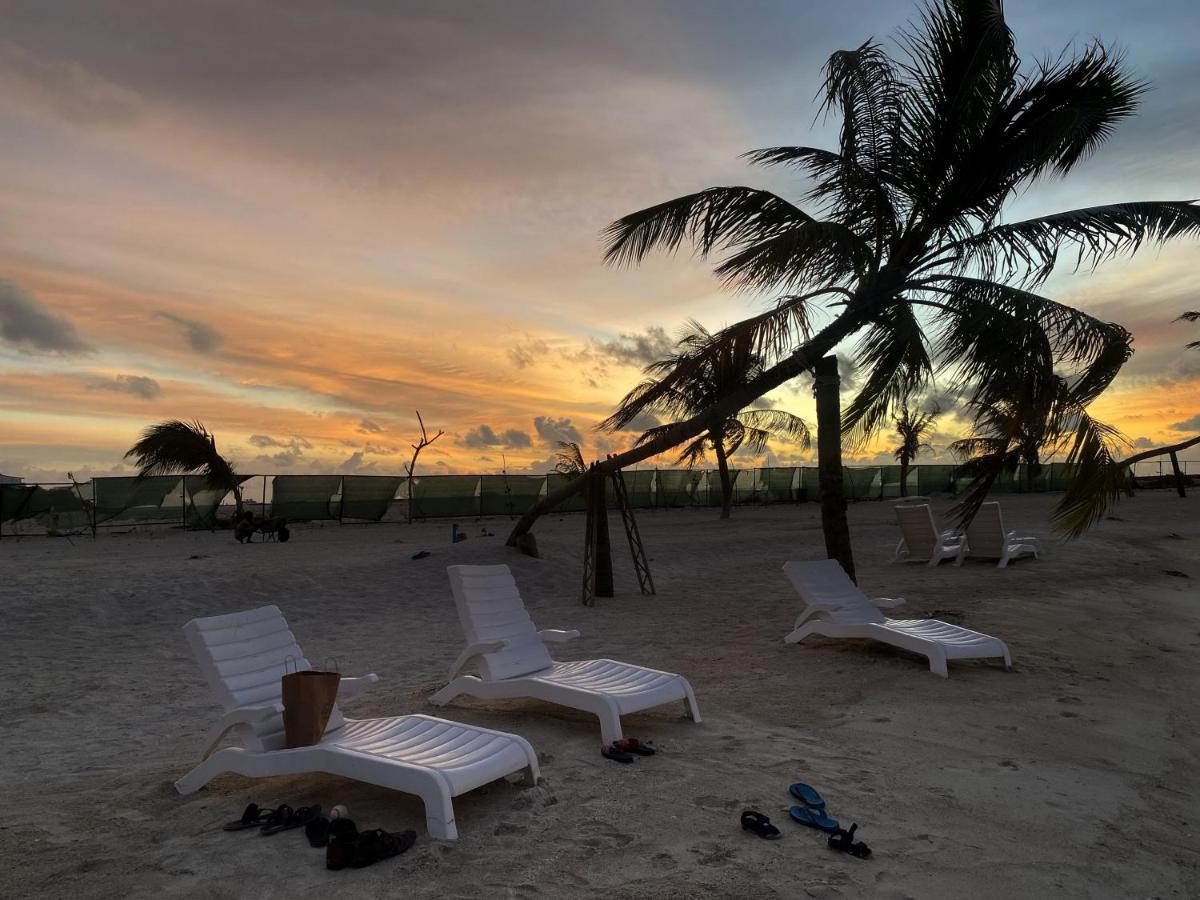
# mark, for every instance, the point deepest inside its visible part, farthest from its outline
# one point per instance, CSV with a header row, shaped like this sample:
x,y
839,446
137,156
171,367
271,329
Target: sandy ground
x,y
1074,776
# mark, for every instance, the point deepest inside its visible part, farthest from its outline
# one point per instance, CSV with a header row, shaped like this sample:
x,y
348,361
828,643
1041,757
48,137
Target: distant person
x,y
244,528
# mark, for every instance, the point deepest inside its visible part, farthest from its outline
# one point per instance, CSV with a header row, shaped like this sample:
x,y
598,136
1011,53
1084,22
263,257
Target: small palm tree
x,y
185,448
912,426
1191,316
750,428
569,459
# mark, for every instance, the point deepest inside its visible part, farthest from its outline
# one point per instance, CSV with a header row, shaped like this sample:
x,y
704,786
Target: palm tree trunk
x,y
718,443
237,503
801,361
904,466
603,559
829,462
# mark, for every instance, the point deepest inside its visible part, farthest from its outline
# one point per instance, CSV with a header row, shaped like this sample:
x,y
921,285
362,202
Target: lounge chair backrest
x,y
916,525
243,656
490,609
986,535
825,581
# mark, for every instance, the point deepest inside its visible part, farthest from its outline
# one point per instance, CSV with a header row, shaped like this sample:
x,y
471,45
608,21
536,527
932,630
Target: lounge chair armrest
x,y
888,602
473,651
352,687
243,715
557,635
823,607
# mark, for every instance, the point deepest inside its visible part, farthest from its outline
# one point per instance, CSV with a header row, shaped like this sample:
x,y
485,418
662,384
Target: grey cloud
x,y
380,450
25,322
200,337
354,464
637,349
1192,424
1143,443
295,442
138,385
366,426
66,88
485,436
643,421
523,353
551,430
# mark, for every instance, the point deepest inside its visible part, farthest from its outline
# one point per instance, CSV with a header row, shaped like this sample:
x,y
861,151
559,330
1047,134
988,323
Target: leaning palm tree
x,y
911,427
1191,316
722,372
902,237
185,448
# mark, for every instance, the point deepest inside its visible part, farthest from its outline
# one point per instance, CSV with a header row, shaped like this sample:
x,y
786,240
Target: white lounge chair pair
x,y
835,607
985,536
243,657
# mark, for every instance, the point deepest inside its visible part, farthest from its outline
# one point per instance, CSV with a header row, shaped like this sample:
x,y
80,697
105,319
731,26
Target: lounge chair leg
x,y
799,634
446,694
439,814
690,702
205,772
938,666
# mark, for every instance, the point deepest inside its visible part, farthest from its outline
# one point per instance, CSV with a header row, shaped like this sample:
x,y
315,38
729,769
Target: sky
x,y
301,222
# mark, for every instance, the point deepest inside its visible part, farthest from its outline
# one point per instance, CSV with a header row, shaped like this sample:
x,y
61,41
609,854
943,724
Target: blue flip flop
x,y
813,818
806,795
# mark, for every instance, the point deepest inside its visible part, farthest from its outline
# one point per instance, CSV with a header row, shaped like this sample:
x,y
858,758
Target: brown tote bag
x,y
308,698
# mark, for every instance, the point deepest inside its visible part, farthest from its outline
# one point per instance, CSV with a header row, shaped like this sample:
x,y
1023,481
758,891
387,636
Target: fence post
x,y
342,502
183,500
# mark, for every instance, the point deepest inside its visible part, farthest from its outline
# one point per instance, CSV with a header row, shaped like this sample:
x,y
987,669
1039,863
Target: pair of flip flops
x,y
812,813
624,750
273,821
350,848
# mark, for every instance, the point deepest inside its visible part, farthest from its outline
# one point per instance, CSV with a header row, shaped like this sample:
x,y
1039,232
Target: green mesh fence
x,y
305,496
931,479
509,495
639,488
445,495
677,487
862,483
779,485
1059,476
890,481
578,503
204,501
60,505
131,499
368,497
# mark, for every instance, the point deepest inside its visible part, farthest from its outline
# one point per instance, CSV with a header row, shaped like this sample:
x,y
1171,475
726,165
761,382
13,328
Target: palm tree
x,y
1191,316
723,371
569,459
911,427
185,448
904,239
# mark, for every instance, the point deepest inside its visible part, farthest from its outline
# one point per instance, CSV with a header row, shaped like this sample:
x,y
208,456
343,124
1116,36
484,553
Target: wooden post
x,y
826,387
1180,480
603,562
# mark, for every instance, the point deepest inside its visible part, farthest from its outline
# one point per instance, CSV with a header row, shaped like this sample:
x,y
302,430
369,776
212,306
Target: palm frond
x,y
897,359
778,423
1028,251
569,459
1096,477
1190,316
716,218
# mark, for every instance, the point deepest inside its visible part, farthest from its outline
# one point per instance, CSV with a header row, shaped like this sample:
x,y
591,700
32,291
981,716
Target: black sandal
x,y
253,816
613,751
289,818
342,840
752,820
633,745
844,841
377,844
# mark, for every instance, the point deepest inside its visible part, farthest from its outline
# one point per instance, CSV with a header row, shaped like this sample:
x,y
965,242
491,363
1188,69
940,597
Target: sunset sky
x,y
299,222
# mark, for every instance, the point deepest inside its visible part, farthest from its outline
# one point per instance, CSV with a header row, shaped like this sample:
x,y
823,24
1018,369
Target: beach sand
x,y
1076,775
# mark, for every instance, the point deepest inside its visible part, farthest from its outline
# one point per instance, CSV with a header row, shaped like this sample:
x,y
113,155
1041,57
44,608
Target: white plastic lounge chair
x,y
920,541
512,659
986,537
836,608
243,657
